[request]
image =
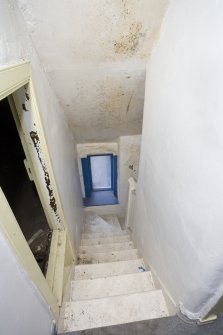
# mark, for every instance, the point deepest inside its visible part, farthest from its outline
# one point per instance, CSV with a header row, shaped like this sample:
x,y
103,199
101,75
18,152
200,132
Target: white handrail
x,y
131,203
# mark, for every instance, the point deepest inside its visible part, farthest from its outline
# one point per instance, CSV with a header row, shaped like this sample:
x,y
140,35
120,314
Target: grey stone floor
x,y
166,326
100,198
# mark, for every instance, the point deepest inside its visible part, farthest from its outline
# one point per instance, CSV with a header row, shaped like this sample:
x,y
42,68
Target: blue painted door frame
x,y
86,168
115,175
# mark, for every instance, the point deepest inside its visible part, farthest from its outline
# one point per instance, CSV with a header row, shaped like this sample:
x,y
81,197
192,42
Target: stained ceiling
x,y
94,53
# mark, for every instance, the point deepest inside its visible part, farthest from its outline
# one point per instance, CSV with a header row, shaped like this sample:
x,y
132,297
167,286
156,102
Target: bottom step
x,y
110,311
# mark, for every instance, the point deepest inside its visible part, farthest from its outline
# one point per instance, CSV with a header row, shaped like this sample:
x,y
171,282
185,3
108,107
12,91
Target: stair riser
x,y
108,269
103,235
106,247
108,240
108,257
94,229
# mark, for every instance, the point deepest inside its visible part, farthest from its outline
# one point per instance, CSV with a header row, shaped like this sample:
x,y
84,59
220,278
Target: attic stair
x,y
110,285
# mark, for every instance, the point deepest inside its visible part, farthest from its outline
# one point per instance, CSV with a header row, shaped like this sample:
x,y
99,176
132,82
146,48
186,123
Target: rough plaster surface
x,y
178,221
94,53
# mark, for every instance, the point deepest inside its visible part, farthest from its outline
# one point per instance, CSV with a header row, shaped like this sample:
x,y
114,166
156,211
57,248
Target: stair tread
x,y
90,271
87,314
97,229
104,257
112,220
111,286
104,240
106,247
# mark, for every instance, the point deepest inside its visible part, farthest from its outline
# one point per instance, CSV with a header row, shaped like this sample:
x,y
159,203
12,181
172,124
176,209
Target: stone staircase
x,y
110,284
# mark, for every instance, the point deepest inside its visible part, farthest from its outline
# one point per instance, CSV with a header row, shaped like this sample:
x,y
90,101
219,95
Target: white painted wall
x,y
22,310
15,46
179,213
128,162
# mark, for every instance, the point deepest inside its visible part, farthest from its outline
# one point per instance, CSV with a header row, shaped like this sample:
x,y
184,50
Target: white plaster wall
x,y
128,162
179,213
22,310
94,53
15,46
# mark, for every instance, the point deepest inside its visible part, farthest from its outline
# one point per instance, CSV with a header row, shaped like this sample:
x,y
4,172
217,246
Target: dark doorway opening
x,y
20,191
100,179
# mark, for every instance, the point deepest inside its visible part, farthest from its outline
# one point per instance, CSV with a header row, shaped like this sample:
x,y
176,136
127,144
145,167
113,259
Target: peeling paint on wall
x,y
27,96
129,43
36,142
24,108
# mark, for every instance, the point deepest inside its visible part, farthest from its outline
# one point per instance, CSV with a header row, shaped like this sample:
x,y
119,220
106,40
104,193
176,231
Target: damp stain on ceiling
x,y
94,53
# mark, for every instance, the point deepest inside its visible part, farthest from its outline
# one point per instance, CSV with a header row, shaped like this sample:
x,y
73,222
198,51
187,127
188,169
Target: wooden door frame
x,y
13,78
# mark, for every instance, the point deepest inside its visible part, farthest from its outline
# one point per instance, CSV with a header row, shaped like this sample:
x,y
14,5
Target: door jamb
x,y
11,79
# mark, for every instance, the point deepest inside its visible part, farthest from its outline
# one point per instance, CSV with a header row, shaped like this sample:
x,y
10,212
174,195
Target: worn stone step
x,y
87,314
91,271
104,257
110,286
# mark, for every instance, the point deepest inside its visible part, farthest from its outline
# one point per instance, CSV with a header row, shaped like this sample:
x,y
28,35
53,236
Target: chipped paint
x,y
24,108
35,139
27,96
